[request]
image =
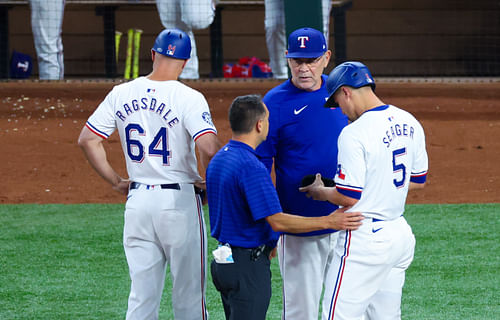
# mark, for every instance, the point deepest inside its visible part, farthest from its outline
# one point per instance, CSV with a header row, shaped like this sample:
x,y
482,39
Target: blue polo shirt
x,y
240,196
302,140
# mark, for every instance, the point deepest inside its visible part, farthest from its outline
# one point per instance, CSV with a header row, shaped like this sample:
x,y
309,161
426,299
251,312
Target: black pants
x,y
244,286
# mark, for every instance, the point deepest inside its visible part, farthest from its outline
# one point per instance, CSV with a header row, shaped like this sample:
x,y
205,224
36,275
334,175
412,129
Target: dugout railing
x,y
107,9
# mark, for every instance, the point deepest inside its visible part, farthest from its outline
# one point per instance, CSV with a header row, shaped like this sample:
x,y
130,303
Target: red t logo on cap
x,y
302,41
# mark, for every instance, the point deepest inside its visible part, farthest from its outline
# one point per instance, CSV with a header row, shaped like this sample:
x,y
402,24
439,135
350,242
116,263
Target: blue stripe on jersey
x,y
419,177
240,196
96,131
349,191
202,132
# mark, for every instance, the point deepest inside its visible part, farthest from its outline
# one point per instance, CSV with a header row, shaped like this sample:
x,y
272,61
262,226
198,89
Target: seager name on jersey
x,y
397,130
146,104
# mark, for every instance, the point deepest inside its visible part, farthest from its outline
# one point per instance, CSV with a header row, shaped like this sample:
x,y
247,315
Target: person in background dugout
x,y
274,23
246,215
187,15
46,24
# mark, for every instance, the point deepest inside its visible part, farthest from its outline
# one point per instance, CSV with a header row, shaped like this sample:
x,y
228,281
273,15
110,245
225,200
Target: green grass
x,y
67,262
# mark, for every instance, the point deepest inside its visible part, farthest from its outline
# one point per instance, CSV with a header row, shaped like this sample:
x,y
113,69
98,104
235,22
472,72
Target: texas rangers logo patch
x,y
339,172
207,117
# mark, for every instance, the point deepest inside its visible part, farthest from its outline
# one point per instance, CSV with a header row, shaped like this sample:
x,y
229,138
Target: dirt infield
x,y
40,123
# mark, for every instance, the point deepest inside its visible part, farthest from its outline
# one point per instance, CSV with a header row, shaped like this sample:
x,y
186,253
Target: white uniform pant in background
x,y
165,226
187,15
46,24
304,262
367,274
274,23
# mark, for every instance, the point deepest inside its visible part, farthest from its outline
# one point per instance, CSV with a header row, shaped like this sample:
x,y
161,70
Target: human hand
x,y
342,220
200,188
122,186
202,184
273,253
316,189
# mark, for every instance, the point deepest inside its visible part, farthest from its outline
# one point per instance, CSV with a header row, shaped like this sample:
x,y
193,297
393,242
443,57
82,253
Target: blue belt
x,y
136,185
377,220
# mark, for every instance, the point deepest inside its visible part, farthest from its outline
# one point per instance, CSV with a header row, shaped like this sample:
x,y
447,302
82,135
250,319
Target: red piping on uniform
x,y
202,256
342,273
97,133
203,134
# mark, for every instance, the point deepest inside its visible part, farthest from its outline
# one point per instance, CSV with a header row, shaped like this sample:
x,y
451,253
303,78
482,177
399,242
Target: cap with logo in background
x,y
306,43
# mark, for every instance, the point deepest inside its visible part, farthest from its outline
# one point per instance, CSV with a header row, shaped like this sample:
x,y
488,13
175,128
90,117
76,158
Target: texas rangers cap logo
x,y
171,50
302,40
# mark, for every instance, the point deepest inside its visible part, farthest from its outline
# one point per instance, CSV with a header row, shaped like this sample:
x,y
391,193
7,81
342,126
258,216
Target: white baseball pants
x,y
46,24
368,271
165,226
304,262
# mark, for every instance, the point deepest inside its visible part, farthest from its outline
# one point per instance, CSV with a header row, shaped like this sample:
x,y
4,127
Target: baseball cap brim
x,y
305,54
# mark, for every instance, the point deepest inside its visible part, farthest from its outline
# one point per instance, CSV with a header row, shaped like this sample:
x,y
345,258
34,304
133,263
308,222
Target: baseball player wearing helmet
x,y
302,140
160,121
187,15
46,24
382,155
274,23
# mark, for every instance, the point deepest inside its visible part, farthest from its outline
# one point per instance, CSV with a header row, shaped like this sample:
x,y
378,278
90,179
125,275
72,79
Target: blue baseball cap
x,y
306,43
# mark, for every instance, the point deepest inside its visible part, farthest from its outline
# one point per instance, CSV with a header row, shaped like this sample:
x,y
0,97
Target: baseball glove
x,y
308,179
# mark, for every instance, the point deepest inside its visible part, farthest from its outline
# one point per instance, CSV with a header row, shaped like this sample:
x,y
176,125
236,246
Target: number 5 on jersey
x,y
157,148
399,167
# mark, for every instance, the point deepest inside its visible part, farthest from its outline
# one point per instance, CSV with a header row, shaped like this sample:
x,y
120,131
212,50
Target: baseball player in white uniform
x,y
160,121
382,155
187,15
46,24
274,23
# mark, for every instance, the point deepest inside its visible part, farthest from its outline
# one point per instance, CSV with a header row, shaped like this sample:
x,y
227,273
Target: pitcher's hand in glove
x,y
317,189
309,179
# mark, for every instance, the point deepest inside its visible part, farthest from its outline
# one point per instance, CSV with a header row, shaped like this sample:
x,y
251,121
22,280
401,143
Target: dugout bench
x,y
107,9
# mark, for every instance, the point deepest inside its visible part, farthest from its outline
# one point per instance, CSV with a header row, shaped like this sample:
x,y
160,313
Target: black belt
x,y
256,252
175,186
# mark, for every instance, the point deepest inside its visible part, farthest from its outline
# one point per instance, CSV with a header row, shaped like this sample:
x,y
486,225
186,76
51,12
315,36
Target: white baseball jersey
x,y
379,154
158,123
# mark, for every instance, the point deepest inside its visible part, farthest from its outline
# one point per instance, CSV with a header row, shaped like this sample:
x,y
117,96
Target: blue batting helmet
x,y
351,73
173,43
306,43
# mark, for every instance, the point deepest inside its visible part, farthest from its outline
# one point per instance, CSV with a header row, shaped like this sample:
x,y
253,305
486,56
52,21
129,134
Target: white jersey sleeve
x,y
158,123
198,118
379,154
102,122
